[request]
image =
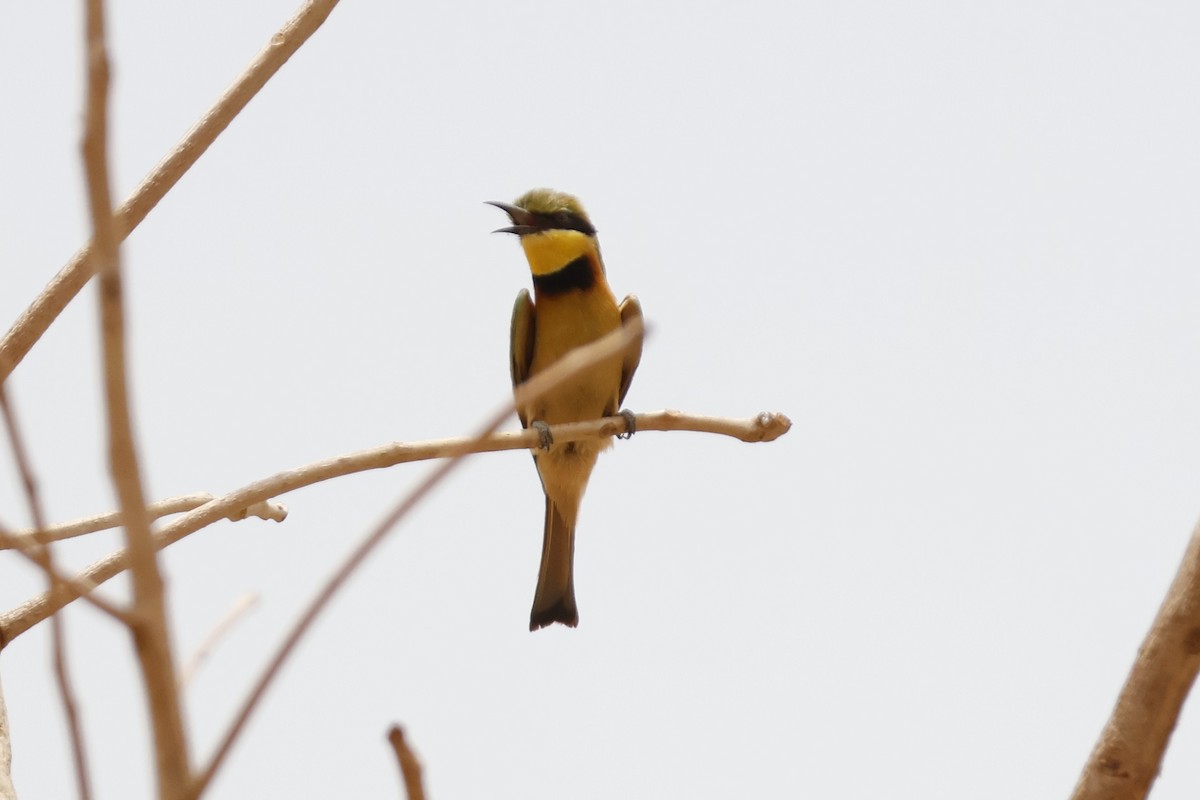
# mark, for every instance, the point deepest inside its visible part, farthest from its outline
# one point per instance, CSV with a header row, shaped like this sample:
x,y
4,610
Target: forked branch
x,y
763,427
100,522
566,368
42,556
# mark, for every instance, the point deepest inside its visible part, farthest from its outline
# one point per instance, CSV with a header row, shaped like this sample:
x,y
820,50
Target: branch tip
x,y
410,765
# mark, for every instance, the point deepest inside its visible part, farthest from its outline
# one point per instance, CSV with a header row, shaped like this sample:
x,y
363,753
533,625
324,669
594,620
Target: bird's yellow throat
x,y
551,250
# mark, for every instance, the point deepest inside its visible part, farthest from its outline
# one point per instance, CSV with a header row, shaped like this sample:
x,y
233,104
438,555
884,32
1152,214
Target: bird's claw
x,y
544,437
630,423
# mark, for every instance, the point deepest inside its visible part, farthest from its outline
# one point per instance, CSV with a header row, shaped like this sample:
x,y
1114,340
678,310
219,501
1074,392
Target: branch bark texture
x,y
1129,754
7,791
38,317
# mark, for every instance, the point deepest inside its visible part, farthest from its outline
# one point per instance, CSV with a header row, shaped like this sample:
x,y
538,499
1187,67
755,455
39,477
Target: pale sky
x,y
955,242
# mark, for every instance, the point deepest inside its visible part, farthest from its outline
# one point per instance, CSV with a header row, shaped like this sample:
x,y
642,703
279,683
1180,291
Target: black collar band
x,y
576,275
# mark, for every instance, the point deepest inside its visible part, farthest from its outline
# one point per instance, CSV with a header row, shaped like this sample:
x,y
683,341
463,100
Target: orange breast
x,y
562,323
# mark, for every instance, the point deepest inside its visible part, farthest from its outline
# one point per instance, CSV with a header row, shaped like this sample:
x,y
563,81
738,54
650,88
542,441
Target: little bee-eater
x,y
571,306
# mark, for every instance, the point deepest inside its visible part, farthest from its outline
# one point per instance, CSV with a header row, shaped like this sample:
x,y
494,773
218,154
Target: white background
x,y
956,243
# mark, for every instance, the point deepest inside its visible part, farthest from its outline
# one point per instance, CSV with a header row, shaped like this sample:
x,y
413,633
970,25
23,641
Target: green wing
x,y
630,309
520,355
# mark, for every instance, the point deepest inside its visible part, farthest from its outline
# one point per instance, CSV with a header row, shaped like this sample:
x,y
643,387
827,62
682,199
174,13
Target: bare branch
x,y
151,641
62,676
7,790
410,767
224,625
100,522
68,588
62,673
569,366
173,505
1127,758
764,427
31,546
36,319
65,591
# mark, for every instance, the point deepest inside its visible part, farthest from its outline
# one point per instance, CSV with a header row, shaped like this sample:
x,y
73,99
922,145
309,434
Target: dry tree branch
x,y
62,673
27,542
63,287
154,511
149,629
100,522
566,368
33,547
74,587
7,791
1129,753
765,427
410,766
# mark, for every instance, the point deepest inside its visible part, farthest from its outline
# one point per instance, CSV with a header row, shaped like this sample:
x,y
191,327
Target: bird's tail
x,y
554,600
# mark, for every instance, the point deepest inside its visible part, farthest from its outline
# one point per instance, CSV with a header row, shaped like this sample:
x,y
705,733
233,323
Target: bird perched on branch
x,y
571,306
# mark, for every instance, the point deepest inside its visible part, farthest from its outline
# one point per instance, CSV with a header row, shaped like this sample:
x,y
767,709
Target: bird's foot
x,y
544,437
630,423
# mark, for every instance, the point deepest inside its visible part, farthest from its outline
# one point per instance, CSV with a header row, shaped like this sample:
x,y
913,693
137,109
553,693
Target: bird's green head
x,y
541,210
554,230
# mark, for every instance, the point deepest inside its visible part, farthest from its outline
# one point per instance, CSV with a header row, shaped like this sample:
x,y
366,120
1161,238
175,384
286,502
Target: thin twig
x,y
410,766
62,673
62,676
100,522
1129,753
149,631
764,427
37,318
244,603
69,588
32,547
566,368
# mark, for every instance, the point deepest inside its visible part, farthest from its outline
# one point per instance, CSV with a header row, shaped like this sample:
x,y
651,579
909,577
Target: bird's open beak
x,y
523,221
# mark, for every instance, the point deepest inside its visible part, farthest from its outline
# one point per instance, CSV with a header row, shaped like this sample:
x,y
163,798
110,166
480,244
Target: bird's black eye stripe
x,y
565,220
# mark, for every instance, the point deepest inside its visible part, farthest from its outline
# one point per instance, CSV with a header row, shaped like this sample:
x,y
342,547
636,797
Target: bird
x,y
572,305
